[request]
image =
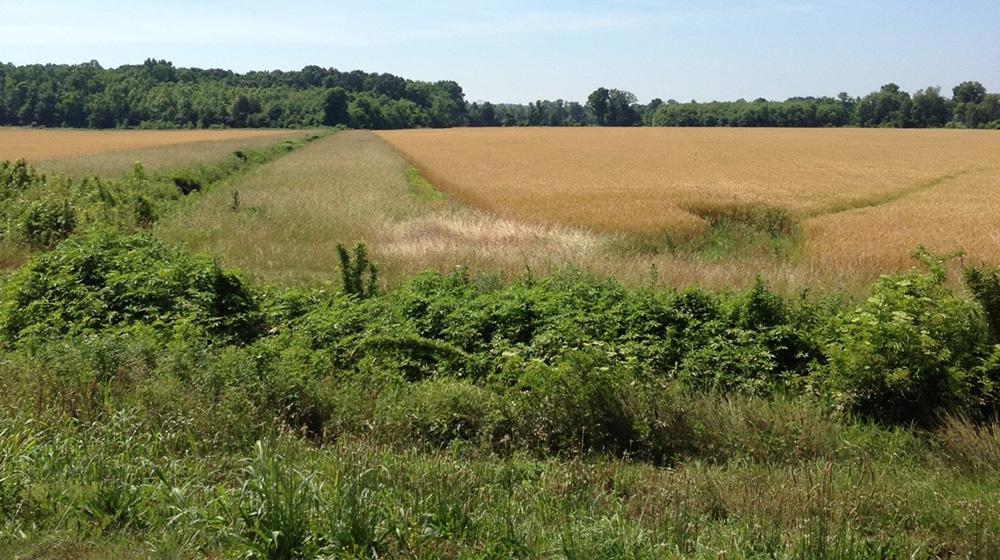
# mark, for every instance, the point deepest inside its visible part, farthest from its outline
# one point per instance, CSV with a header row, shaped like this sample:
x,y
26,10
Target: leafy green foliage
x,y
106,280
17,177
909,351
441,411
985,381
47,222
577,404
906,353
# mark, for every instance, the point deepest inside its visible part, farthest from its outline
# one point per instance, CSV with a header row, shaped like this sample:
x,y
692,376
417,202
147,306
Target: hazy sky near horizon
x,y
519,51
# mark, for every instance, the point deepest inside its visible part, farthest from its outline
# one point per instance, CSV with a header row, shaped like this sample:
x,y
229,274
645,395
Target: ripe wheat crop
x,y
37,144
857,196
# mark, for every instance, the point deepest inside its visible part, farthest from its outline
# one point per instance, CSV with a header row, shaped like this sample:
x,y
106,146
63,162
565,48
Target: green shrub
x,y
542,319
736,360
577,404
439,411
331,325
354,269
414,357
108,280
144,211
986,384
905,353
757,345
48,221
17,177
759,308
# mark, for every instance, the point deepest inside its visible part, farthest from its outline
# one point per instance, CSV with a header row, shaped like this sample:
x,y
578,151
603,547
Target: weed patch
x,y
730,231
421,187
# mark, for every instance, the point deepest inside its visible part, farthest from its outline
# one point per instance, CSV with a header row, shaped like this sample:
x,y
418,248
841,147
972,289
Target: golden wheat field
x,y
44,144
861,197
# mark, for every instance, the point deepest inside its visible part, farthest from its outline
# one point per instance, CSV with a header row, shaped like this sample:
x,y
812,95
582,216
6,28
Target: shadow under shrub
x,y
984,283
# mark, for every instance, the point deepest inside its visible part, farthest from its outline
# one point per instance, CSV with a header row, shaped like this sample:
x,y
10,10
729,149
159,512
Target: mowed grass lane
x,y
292,212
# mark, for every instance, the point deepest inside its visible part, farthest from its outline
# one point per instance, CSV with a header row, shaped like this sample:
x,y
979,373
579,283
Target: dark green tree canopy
x,y
335,107
598,103
969,92
157,94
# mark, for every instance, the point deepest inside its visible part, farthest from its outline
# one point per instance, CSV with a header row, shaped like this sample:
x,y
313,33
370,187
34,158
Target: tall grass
x,y
356,499
972,447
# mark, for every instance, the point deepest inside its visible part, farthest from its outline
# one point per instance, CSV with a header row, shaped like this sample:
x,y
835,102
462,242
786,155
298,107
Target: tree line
x,y
969,106
156,94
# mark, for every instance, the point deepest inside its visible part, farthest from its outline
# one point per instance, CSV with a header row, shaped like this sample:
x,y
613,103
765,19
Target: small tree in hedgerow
x,y
908,351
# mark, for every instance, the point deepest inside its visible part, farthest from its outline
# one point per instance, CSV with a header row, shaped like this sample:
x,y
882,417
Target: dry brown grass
x,y
101,152
865,198
463,237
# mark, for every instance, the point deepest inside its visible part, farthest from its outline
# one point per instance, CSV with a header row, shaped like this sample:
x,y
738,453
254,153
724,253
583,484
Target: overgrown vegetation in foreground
x,y
459,416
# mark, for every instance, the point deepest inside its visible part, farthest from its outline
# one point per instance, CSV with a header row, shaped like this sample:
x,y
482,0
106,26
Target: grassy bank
x,y
159,406
113,488
110,161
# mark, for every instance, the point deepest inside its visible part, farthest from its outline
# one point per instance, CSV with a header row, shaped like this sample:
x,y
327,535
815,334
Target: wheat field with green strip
x,y
855,198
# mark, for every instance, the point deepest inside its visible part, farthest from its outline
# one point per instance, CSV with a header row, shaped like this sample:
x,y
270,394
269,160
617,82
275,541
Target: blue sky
x,y
520,51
